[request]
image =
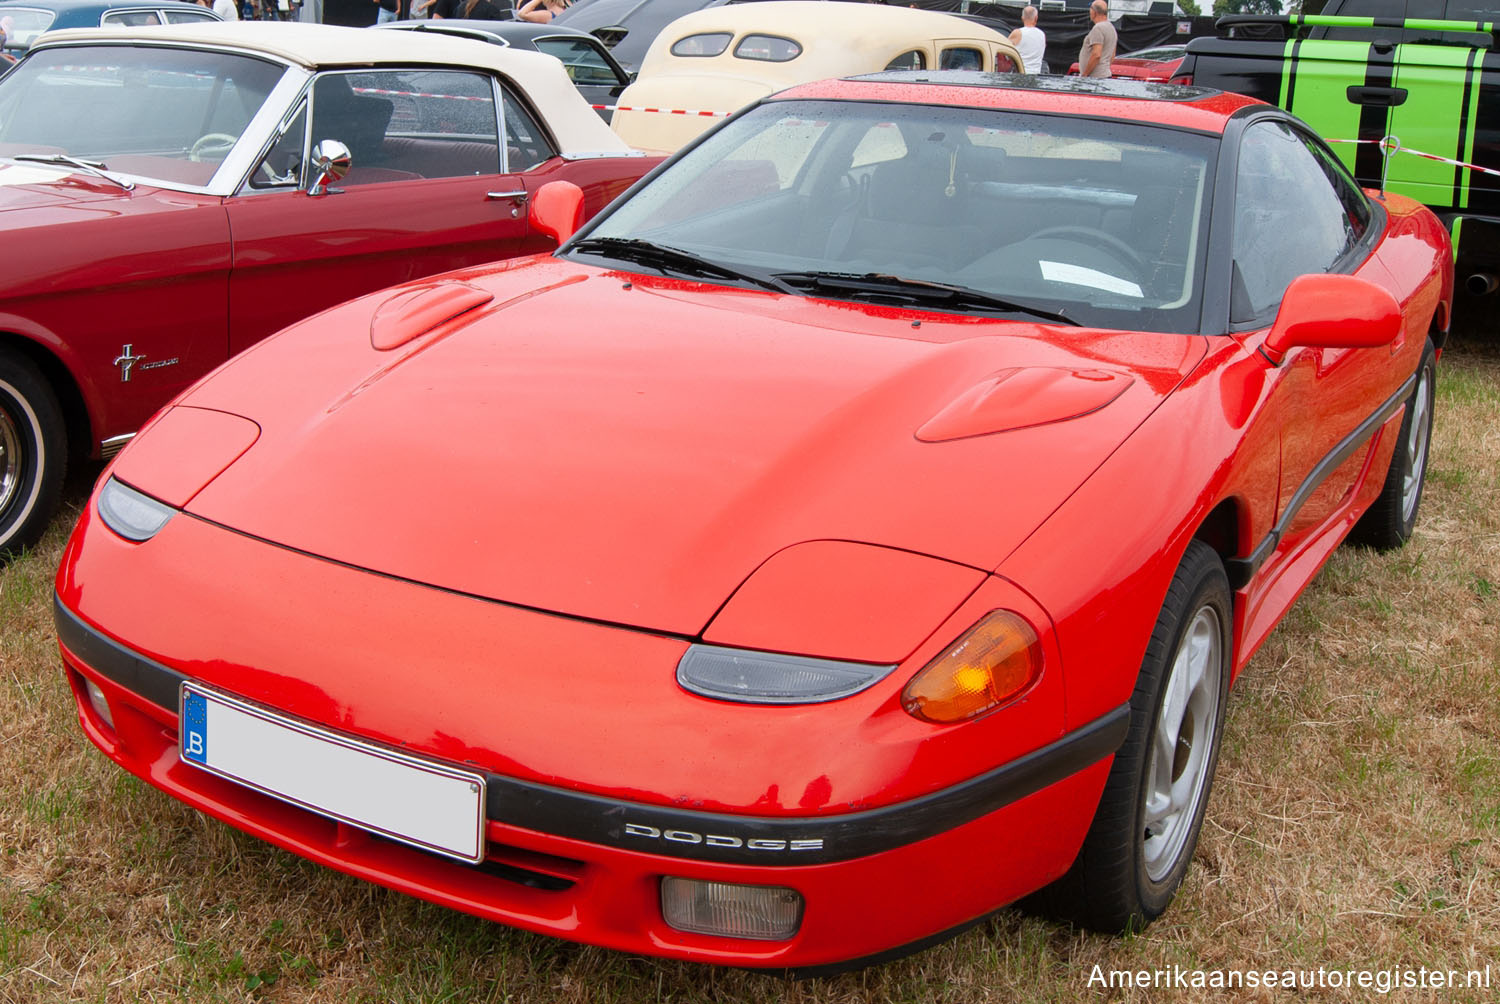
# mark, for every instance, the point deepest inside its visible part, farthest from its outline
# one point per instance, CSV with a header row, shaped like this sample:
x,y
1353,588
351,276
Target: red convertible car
x,y
162,205
855,529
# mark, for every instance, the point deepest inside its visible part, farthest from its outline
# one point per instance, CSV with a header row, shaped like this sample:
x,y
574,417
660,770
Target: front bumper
x,y
580,864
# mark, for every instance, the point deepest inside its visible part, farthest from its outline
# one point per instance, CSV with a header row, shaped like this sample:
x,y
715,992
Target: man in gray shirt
x,y
1099,44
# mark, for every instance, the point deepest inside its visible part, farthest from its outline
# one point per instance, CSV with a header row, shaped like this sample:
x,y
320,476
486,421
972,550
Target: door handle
x,y
1388,97
519,196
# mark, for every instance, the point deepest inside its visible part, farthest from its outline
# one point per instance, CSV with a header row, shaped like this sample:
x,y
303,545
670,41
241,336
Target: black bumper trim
x,y
137,674
693,834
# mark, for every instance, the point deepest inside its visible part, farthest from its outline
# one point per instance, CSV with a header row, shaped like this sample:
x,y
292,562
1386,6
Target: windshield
x,y
167,114
22,25
1099,221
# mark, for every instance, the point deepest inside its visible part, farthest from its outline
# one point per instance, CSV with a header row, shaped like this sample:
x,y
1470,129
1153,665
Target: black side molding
x,y
1242,570
785,841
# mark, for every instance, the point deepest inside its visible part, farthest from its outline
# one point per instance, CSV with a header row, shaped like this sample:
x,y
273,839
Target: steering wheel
x,y
1124,252
211,145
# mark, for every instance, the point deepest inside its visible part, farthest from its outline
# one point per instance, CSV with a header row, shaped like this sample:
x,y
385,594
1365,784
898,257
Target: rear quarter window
x,y
768,49
709,43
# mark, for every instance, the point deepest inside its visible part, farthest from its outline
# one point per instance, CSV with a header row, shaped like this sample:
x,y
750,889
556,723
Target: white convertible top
x,y
317,46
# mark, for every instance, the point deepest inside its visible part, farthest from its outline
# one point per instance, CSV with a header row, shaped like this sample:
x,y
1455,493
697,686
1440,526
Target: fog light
x,y
759,912
101,706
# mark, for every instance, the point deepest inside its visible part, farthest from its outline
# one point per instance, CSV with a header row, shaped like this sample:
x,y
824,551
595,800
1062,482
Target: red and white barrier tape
x,y
660,111
420,94
1391,144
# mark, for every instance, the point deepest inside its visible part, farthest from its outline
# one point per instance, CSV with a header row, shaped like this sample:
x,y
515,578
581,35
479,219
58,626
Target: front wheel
x,y
1146,827
1389,522
33,453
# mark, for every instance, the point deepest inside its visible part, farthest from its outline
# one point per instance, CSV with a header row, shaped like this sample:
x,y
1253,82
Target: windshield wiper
x,y
667,258
913,292
94,167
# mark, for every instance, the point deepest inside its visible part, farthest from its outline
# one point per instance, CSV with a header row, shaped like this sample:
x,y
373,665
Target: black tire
x,y
33,454
1389,522
1124,876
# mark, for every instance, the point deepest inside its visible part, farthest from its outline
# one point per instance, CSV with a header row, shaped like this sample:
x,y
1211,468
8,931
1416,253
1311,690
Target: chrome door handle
x,y
519,196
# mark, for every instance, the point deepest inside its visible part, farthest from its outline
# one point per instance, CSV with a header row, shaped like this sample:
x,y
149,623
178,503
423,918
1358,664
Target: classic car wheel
x,y
213,144
1142,838
1389,522
32,453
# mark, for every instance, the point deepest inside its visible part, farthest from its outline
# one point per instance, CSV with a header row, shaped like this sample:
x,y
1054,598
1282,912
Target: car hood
x,y
630,449
25,186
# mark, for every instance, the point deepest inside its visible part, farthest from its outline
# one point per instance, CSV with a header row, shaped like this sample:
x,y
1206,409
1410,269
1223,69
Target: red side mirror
x,y
556,209
1333,311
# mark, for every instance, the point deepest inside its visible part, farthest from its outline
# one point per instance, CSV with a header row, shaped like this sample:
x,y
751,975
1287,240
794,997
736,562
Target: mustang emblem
x,y
126,360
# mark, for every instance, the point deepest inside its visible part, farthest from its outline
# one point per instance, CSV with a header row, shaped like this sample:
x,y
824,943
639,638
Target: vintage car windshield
x,y
1101,221
25,24
148,111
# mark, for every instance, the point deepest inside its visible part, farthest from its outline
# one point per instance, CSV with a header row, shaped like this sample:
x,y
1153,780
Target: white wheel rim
x,y
1417,438
1178,770
18,492
10,460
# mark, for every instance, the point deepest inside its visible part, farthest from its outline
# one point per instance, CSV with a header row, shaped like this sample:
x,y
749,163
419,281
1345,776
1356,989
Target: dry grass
x,y
1356,822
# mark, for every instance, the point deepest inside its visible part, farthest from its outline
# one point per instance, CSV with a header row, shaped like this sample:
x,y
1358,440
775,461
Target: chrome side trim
x,y
114,445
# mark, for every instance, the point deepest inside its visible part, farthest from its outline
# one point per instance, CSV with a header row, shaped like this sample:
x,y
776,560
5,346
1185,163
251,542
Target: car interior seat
x,y
358,121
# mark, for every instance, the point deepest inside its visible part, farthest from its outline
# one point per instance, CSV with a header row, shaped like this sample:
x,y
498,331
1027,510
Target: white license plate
x,y
418,802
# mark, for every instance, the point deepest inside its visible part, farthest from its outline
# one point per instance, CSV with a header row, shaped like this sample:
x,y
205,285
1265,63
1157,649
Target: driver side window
x,y
282,165
1288,220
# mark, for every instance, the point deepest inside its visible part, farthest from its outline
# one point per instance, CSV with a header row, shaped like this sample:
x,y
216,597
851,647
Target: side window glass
x,y
1357,211
281,167
1288,220
582,58
526,144
767,48
881,143
704,44
403,125
916,59
131,18
961,58
187,16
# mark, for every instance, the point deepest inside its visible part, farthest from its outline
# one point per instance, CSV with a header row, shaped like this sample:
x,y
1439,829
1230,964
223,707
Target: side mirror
x,y
330,162
556,210
1333,311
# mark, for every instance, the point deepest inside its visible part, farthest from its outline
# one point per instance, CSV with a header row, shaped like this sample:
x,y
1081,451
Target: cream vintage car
x,y
721,59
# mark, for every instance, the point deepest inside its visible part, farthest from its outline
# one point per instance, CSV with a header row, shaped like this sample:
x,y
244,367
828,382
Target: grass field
x,y
1355,823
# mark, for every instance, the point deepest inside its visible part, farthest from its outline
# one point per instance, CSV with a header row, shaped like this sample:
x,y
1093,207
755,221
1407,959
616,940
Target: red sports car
x,y
1157,64
852,531
162,208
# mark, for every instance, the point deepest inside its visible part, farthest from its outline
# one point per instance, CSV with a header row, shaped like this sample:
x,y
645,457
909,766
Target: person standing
x,y
1031,42
1098,50
229,10
540,11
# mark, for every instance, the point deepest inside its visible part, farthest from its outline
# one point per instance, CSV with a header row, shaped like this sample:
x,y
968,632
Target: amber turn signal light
x,y
994,661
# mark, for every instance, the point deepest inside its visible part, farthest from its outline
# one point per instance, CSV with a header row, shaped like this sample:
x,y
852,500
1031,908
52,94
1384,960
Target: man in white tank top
x,y
1031,42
